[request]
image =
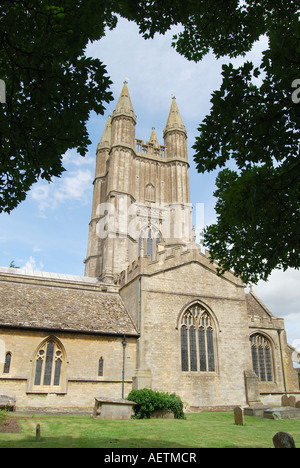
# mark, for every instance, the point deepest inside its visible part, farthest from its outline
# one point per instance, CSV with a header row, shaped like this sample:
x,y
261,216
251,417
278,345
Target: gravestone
x,y
238,416
283,440
298,404
292,401
285,400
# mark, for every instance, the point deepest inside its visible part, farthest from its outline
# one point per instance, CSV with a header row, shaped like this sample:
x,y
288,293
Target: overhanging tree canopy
x,y
253,126
253,123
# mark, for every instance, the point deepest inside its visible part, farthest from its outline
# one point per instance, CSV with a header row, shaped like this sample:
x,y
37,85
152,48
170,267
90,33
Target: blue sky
x,y
49,230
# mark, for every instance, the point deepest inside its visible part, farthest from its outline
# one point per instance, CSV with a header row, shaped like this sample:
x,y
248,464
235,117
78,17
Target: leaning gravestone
x,y
238,416
283,440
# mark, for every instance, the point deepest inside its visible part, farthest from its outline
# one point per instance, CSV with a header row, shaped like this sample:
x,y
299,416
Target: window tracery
x,y
197,340
48,366
261,351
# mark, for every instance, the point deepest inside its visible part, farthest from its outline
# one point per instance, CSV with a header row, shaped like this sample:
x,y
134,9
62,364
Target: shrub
x,y
149,401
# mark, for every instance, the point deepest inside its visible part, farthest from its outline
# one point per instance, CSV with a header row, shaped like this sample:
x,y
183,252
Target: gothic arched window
x,y
49,366
148,240
261,357
197,340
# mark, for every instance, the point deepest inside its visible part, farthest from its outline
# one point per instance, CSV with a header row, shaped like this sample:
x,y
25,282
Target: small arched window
x,y
101,367
7,363
261,351
49,366
197,340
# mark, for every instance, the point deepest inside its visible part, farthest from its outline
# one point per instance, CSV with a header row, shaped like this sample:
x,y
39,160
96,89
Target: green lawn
x,y
207,429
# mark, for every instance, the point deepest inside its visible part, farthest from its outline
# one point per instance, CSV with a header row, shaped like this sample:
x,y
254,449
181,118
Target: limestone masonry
x,y
150,311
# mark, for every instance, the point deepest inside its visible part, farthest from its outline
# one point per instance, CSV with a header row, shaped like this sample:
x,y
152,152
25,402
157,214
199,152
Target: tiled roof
x,y
76,305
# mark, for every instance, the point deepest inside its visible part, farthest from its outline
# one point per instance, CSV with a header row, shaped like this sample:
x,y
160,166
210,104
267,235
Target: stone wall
x,y
159,346
80,372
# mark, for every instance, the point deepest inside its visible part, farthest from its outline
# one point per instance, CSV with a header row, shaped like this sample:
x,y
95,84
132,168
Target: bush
x,y
149,401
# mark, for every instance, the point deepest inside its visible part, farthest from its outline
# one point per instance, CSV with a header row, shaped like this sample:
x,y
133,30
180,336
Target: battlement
x,y
150,149
169,258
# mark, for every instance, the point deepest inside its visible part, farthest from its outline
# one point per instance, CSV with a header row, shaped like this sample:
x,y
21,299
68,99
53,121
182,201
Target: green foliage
x,y
51,87
149,401
253,127
3,416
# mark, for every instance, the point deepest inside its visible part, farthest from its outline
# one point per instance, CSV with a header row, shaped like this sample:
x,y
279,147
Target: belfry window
x,y
197,340
261,357
48,366
148,240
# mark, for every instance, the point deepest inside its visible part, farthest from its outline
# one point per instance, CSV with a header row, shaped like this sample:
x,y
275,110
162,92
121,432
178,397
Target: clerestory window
x,y
197,340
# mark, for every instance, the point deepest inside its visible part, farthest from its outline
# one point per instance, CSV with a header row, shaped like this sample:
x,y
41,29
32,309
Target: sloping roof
x,y
60,304
256,307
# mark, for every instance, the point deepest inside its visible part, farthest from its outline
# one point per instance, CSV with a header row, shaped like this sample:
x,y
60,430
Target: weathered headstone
x,y
238,416
292,401
285,400
283,440
298,404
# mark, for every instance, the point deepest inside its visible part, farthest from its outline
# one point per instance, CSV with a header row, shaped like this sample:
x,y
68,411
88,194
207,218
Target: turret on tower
x,y
124,120
140,191
175,135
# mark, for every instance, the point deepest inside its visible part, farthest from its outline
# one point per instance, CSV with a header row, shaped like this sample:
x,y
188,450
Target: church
x,y
150,311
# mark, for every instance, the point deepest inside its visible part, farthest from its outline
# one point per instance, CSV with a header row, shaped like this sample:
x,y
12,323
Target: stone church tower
x,y
147,287
141,193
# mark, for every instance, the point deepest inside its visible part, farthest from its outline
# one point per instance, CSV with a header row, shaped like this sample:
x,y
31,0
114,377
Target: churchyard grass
x,y
207,429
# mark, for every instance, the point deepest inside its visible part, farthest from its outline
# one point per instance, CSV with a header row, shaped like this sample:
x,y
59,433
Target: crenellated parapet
x,y
169,258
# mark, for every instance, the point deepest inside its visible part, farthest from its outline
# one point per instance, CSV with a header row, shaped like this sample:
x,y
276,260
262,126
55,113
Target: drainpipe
x,y
282,363
139,328
124,343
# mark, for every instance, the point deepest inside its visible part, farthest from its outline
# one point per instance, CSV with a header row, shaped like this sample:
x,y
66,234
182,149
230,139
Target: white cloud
x,y
281,294
71,157
71,187
32,264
